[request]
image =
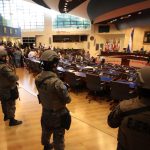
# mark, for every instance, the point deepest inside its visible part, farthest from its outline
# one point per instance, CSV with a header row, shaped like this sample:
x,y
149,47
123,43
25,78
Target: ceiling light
x,y
122,18
66,3
65,9
129,15
140,13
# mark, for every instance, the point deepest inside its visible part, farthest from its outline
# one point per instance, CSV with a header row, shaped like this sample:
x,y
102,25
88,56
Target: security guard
x,y
8,80
133,117
53,96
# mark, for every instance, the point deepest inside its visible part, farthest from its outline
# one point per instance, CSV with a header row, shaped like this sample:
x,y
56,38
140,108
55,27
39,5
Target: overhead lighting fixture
x,y
66,3
65,9
122,18
140,13
129,15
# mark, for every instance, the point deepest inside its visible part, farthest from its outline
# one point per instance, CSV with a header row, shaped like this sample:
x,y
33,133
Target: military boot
x,y
14,122
48,147
5,118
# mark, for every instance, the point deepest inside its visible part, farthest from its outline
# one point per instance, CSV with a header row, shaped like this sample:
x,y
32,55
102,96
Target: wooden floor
x,y
89,129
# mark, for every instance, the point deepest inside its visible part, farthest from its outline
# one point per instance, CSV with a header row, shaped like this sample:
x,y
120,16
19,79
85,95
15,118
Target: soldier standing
x,y
8,81
53,95
133,117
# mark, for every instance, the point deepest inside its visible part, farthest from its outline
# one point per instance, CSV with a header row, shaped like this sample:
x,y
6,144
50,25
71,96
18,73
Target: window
x,y
19,13
65,21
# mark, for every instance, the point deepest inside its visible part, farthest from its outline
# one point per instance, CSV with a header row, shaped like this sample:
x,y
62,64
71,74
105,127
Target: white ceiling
x,y
80,11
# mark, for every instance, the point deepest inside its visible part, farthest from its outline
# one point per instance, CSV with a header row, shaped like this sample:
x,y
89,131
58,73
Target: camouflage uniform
x,y
134,128
54,97
7,82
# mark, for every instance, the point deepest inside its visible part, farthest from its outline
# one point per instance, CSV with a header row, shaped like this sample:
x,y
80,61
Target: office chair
x,y
73,81
94,84
120,91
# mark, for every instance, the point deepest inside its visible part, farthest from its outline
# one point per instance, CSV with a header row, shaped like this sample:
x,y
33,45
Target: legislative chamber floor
x,y
89,129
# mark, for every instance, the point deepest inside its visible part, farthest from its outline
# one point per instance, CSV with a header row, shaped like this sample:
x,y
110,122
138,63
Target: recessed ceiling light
x,y
129,15
122,18
140,13
65,9
66,3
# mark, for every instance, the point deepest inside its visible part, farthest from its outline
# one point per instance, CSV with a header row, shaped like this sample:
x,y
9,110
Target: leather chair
x,y
120,91
94,84
73,81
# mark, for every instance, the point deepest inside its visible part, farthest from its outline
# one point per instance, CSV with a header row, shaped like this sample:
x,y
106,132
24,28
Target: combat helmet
x,y
143,78
49,60
49,56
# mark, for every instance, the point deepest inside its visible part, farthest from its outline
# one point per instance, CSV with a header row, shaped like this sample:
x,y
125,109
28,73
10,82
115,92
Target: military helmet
x,y
143,78
3,53
49,55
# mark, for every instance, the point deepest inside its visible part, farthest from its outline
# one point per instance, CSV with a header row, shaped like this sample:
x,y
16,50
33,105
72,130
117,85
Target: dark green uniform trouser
x,y
50,122
9,108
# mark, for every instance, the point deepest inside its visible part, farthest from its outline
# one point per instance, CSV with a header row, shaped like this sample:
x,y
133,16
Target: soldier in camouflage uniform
x,y
133,117
8,81
53,96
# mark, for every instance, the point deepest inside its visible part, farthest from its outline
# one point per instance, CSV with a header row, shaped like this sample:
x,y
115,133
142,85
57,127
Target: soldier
x,y
133,117
53,96
8,80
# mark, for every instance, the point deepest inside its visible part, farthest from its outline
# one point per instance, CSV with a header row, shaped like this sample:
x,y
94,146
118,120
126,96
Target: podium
x,y
125,62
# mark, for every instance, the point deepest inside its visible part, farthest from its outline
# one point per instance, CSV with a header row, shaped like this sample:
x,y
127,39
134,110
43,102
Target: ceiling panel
x,y
81,10
95,10
99,7
42,3
68,5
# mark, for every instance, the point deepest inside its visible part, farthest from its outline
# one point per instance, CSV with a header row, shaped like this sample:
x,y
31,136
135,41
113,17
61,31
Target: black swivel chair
x,y
94,84
73,81
121,91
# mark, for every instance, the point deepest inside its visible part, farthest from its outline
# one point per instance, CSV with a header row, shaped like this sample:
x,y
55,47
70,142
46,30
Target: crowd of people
x,y
17,54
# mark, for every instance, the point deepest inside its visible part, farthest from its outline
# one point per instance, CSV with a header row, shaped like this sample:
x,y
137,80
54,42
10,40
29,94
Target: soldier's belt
x,y
53,110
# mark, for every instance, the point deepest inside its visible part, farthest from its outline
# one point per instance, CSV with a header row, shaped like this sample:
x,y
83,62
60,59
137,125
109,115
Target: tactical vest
x,y
48,94
134,131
